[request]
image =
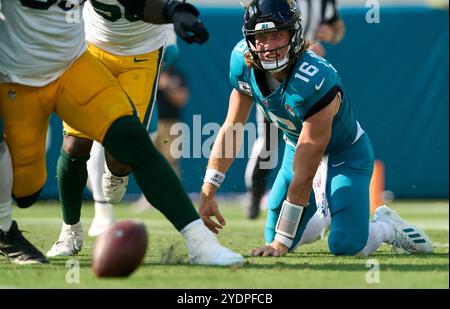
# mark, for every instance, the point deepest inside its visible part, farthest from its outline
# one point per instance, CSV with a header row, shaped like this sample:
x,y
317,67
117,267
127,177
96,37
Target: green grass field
x,y
166,266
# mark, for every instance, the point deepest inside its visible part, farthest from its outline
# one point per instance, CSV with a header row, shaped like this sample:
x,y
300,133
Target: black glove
x,y
184,17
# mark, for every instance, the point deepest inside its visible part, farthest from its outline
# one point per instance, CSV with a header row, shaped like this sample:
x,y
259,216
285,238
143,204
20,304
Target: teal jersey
x,y
312,84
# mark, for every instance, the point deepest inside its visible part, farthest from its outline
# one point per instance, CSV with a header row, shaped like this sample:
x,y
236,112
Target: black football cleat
x,y
18,249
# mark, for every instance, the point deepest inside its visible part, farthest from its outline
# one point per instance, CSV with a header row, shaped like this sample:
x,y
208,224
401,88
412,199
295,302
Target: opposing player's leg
x,y
72,171
25,127
110,119
104,212
6,183
139,80
153,126
142,204
72,176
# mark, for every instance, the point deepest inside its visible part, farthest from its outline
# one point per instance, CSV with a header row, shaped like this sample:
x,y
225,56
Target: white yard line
x,y
440,245
440,225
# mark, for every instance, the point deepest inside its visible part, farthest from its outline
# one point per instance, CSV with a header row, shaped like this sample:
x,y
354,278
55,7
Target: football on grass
x,y
120,249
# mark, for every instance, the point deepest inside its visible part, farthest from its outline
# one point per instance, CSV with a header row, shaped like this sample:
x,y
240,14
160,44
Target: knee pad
x,y
27,201
345,243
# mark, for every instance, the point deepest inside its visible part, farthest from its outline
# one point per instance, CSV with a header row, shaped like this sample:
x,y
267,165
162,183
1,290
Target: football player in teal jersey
x,y
326,149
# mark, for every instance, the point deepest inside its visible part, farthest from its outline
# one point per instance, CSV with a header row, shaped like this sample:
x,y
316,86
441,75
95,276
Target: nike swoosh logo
x,y
139,60
320,85
337,164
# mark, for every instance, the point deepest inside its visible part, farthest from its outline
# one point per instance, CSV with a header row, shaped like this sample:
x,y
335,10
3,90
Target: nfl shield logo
x,y
265,102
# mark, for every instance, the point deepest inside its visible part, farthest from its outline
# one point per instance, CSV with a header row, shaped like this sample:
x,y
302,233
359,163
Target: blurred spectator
x,y
172,95
321,22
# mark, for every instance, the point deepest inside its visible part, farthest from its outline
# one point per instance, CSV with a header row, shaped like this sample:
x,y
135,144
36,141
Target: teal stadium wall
x,y
395,73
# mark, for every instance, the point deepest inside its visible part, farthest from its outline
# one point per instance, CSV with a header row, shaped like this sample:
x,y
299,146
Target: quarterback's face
x,y
272,45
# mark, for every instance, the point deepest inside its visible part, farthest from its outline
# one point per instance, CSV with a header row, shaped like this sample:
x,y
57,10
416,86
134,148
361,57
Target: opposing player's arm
x,y
183,15
152,11
311,145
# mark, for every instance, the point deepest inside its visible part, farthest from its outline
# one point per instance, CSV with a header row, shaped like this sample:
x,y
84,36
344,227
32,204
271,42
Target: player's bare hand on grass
x,y
209,208
274,249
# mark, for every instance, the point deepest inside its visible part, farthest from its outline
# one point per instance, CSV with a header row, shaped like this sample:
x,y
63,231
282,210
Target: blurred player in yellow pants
x,y
135,58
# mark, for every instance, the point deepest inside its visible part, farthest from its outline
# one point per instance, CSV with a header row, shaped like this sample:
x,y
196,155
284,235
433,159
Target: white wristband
x,y
214,176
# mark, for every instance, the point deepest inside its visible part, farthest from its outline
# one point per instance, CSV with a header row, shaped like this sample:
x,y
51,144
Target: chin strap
x,y
277,65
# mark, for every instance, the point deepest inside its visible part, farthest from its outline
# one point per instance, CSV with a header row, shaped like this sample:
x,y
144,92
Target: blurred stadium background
x,y
395,72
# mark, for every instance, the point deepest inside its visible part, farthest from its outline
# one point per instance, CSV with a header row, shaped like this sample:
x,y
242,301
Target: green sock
x,y
72,177
128,141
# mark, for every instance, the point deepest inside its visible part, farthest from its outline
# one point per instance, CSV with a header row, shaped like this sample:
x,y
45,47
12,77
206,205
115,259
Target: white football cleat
x,y
114,187
103,219
407,237
204,248
70,241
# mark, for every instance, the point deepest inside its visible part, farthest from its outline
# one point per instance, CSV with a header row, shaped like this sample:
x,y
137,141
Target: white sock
x,y
379,232
95,167
103,210
197,231
201,242
192,227
6,183
71,228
